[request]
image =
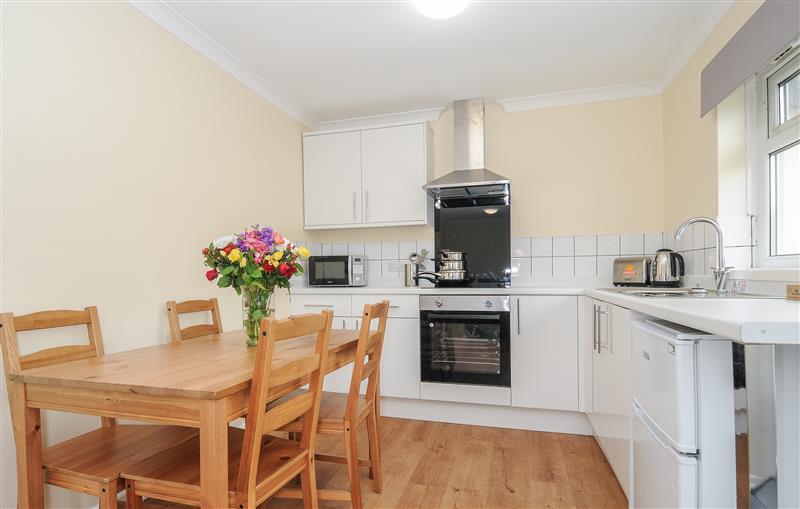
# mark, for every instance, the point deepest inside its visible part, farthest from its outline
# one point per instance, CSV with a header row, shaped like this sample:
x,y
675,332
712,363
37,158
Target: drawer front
x,y
662,477
400,306
664,384
310,303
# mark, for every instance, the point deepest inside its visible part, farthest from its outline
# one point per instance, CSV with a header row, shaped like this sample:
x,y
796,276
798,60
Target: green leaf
x,y
259,284
247,279
227,270
257,314
224,282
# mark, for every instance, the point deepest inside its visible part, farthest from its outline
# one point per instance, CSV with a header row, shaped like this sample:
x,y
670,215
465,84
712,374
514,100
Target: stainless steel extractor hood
x,y
470,178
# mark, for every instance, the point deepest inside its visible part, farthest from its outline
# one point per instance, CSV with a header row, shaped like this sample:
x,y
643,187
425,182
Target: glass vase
x,y
255,307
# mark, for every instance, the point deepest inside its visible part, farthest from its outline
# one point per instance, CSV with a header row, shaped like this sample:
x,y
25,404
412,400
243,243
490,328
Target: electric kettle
x,y
667,268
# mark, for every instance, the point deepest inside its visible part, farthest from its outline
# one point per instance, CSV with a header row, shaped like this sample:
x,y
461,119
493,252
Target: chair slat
x,y
194,306
51,319
57,355
287,412
369,369
297,326
195,331
294,370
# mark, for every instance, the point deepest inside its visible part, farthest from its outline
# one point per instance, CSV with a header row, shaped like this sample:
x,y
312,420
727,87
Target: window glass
x,y
785,206
789,98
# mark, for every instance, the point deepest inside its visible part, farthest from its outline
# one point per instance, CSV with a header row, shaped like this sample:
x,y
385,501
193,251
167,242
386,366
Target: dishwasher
x,y
683,450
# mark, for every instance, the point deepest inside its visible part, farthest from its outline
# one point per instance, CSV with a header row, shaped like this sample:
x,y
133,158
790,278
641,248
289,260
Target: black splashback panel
x,y
484,236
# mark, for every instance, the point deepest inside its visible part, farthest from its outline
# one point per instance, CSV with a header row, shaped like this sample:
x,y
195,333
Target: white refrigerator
x,y
683,440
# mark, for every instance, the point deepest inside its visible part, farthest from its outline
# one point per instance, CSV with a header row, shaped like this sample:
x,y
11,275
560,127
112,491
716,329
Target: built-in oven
x,y
465,339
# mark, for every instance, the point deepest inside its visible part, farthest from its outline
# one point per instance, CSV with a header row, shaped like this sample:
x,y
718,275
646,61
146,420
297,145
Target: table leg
x,y
27,424
213,454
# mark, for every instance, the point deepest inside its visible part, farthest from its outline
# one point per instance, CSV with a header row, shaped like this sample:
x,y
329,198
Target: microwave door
x,y
329,270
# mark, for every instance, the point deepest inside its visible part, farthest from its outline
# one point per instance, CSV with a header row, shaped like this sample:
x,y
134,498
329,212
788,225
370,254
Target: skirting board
x,y
553,421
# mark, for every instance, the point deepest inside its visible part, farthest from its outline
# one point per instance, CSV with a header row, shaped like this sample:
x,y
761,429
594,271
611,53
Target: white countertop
x,y
749,321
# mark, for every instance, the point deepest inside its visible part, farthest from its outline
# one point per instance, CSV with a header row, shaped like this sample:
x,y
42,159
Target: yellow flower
x,y
274,263
303,252
243,262
234,255
278,255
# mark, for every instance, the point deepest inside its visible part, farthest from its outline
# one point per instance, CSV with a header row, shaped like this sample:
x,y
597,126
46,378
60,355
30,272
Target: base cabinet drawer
x,y
341,305
400,306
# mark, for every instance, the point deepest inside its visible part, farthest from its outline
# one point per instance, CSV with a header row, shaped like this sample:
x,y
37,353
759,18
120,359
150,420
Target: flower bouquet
x,y
255,263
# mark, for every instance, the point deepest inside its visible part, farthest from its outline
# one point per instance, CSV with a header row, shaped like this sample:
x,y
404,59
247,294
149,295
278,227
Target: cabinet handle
x,y
393,307
595,340
318,305
357,325
354,206
366,206
518,324
343,324
600,345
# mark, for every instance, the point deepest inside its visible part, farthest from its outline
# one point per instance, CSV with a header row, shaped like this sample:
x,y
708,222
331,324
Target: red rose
x,y
269,268
211,275
205,251
230,247
286,271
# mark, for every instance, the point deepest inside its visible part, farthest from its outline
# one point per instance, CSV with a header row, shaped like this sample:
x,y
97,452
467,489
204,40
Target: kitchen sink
x,y
693,293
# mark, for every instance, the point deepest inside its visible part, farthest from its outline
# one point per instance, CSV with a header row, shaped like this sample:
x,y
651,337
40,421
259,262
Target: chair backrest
x,y
175,309
266,381
14,362
367,364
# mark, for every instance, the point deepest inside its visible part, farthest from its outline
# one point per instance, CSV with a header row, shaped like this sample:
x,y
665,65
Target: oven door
x,y
329,271
465,347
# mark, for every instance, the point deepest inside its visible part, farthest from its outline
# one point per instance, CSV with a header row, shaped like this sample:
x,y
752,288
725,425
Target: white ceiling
x,y
340,60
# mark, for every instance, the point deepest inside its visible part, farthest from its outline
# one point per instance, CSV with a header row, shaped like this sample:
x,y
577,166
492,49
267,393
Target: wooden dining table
x,y
203,383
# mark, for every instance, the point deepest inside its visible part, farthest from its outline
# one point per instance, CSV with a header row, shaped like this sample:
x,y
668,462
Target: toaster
x,y
632,271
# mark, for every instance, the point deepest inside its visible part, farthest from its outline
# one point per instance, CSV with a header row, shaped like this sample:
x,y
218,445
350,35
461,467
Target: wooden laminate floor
x,y
437,465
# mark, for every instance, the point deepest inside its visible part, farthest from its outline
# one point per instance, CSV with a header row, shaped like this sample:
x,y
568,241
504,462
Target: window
x,y
777,160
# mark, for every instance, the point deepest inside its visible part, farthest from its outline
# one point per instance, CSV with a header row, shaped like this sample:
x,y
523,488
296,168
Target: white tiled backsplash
x,y
541,260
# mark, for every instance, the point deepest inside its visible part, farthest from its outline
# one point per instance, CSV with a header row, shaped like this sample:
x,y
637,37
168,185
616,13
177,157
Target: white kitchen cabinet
x,y
610,413
400,362
332,179
339,380
393,164
367,177
586,337
544,352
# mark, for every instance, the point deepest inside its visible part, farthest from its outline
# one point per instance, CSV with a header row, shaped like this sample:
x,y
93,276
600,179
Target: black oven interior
x,y
466,346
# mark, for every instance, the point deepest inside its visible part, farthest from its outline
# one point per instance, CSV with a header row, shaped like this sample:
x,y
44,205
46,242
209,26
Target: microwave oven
x,y
337,271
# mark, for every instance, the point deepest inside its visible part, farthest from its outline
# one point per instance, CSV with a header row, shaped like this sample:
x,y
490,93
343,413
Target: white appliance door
x,y
664,383
663,477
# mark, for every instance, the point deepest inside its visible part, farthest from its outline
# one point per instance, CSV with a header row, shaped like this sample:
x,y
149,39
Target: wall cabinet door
x,y
394,170
544,353
400,363
332,179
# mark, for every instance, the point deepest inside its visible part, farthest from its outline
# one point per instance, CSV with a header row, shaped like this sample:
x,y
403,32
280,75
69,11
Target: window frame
x,y
766,137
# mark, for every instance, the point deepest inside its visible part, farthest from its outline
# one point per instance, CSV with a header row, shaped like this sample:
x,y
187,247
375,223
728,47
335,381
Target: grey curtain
x,y
770,30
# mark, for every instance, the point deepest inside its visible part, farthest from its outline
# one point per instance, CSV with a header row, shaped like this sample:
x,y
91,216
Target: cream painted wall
x,y
732,154
690,142
591,168
124,153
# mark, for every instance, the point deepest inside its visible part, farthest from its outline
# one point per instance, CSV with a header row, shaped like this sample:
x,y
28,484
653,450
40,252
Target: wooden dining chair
x,y
89,463
342,414
175,309
259,464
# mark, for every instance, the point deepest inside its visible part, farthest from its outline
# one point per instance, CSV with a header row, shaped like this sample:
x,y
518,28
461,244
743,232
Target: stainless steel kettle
x,y
667,268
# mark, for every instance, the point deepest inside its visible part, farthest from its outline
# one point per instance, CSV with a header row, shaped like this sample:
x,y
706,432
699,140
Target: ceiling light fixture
x,y
440,9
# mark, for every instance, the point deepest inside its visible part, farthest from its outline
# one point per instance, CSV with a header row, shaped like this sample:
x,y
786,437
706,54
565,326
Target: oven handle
x,y
436,316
